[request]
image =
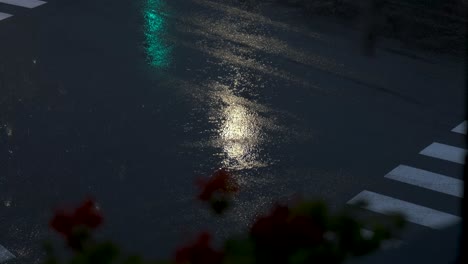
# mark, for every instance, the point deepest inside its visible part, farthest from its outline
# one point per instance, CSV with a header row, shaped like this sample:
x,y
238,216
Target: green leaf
x,y
316,209
381,233
50,254
161,262
103,253
300,257
80,258
398,219
239,251
239,245
133,260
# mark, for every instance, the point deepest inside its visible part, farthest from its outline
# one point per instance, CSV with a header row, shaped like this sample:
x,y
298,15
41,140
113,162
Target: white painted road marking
x,y
461,128
427,179
414,213
5,254
445,152
24,3
4,16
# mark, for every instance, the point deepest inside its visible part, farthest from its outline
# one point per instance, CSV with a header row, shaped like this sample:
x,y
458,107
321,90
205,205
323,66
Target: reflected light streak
x,y
240,133
157,50
246,15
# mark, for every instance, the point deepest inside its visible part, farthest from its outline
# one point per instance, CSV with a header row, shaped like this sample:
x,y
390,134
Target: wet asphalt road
x,y
131,101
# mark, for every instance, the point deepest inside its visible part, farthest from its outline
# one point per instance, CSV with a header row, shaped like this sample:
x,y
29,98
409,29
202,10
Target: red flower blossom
x,y
281,232
267,227
199,252
220,182
63,223
85,215
88,215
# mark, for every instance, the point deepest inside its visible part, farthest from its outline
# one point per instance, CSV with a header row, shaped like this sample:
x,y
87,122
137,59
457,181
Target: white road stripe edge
x,y
4,16
427,179
5,254
445,152
461,128
414,213
23,3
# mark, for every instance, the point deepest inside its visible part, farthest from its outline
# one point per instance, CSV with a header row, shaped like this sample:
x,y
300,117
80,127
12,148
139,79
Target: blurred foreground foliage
x,y
304,232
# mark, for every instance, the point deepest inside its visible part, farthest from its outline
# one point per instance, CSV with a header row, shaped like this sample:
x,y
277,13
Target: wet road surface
x,y
131,101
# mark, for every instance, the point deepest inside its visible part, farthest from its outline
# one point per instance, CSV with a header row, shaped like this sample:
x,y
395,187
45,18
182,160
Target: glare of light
x,y
239,133
157,49
238,123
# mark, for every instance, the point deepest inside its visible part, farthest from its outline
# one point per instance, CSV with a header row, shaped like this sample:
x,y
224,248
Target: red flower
x,y
220,182
267,227
88,215
282,232
199,252
63,223
304,231
85,215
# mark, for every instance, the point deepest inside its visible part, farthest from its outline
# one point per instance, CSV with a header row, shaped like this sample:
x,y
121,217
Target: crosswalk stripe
x,y
461,128
414,213
426,179
5,254
4,16
445,152
24,3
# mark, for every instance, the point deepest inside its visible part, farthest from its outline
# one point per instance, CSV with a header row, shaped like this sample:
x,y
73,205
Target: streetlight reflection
x,y
240,132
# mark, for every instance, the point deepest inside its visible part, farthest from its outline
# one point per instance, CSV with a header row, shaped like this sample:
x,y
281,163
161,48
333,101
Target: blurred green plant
x,y
304,232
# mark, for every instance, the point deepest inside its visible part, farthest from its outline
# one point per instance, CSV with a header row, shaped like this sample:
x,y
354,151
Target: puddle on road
x,y
227,80
229,119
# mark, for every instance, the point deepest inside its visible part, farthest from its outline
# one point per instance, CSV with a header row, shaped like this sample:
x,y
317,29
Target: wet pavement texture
x,y
132,101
